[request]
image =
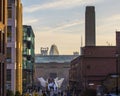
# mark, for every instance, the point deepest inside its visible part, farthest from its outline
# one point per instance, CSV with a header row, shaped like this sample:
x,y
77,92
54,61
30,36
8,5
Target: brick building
x,y
95,63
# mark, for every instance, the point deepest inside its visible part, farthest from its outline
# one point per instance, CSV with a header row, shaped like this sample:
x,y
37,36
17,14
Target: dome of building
x,y
54,50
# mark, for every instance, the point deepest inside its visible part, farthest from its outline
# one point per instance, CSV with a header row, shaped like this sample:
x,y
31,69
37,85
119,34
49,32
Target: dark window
x,y
9,12
11,1
3,43
29,57
28,32
9,33
28,44
8,74
9,54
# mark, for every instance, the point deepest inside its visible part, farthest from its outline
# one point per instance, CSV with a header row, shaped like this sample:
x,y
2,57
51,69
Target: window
x,y
9,54
29,52
8,74
11,1
24,62
9,33
25,49
28,32
28,44
9,12
24,45
2,45
8,86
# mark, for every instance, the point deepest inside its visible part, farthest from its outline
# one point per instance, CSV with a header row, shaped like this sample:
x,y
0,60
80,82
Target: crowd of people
x,y
50,87
50,92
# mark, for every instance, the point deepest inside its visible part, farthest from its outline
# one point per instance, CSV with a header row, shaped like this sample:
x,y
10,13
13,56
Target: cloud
x,y
105,25
60,27
30,21
59,4
106,29
115,17
68,25
110,18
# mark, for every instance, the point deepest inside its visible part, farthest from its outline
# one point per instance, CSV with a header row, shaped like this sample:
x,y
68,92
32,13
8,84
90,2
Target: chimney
x,y
90,26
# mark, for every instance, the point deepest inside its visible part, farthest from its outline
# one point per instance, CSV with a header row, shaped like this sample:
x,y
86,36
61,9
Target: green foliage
x,y
17,93
89,92
9,93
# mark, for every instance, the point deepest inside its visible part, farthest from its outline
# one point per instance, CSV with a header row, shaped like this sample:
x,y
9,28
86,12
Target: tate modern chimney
x,y
90,26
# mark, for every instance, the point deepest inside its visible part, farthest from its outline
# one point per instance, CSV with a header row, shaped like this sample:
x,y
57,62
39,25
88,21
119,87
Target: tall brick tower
x,y
90,26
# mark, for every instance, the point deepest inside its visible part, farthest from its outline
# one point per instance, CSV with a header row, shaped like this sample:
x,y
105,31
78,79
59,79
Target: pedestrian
x,y
43,93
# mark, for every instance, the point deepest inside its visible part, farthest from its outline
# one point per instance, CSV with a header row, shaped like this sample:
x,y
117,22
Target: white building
x,y
11,46
14,46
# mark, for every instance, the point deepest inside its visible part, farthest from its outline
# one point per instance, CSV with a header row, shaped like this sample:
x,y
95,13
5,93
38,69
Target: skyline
x,y
52,20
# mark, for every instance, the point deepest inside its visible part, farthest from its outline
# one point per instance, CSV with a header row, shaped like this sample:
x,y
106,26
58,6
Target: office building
x,y
28,56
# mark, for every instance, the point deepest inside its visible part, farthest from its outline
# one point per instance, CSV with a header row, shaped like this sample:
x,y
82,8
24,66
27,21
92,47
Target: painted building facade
x,y
14,46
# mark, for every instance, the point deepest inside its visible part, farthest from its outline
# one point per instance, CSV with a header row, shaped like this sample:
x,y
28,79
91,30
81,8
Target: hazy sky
x,y
62,22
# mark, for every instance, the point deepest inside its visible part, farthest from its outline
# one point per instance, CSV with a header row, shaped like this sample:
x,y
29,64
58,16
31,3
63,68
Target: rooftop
x,y
54,58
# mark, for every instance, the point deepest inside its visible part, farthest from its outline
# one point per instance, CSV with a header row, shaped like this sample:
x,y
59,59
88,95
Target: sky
x,y
62,22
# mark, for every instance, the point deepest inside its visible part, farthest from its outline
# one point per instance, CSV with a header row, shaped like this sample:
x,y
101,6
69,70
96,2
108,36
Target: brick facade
x,y
92,66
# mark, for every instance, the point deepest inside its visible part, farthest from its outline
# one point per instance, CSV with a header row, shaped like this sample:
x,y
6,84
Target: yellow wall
x,y
19,48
